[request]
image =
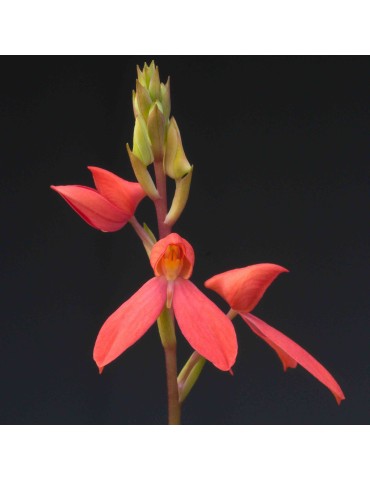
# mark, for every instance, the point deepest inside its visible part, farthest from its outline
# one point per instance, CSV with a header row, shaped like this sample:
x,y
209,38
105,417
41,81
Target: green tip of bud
x,y
141,76
180,198
142,175
142,145
156,130
166,99
143,100
175,162
155,85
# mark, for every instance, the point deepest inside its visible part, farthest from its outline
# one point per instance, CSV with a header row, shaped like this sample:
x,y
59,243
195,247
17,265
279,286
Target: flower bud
x,y
180,198
142,145
142,101
156,131
142,175
155,84
175,162
166,99
146,74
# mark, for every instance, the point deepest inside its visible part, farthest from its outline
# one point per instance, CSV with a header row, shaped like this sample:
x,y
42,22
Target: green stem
x,y
167,333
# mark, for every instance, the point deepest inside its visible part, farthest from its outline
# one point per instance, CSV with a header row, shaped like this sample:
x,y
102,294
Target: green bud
x,y
175,162
146,74
142,145
141,75
166,99
142,175
180,198
143,101
156,131
155,85
135,106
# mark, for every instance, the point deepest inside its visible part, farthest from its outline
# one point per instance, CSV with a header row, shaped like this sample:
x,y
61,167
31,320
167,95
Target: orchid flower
x,y
110,206
208,330
242,289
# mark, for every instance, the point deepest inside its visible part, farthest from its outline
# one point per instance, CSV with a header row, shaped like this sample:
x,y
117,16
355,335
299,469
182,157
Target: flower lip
x,y
172,257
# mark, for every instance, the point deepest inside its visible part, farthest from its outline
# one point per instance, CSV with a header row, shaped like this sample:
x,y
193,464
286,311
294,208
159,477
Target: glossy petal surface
x,y
243,288
96,210
123,194
130,321
297,353
208,330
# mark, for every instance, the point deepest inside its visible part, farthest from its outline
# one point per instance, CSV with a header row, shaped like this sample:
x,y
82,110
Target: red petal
x,y
243,288
96,210
208,330
173,239
125,195
286,360
130,321
295,352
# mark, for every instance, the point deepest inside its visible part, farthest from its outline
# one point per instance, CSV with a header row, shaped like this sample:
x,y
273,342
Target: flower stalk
x,y
166,321
166,329
161,202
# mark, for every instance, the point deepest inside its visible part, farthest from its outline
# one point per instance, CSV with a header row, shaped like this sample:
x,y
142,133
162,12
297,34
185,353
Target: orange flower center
x,y
172,262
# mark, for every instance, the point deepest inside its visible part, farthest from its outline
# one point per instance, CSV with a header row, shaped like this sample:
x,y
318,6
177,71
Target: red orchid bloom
x,y
242,289
110,206
208,330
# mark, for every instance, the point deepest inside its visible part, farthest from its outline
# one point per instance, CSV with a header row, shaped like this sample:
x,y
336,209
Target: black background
x,y
280,148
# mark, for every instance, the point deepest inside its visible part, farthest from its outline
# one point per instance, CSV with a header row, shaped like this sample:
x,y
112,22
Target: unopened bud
x,y
175,162
180,199
155,84
166,99
142,101
146,74
141,75
142,175
142,145
156,131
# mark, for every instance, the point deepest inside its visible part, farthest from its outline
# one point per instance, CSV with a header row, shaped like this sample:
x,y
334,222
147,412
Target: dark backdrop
x,y
280,148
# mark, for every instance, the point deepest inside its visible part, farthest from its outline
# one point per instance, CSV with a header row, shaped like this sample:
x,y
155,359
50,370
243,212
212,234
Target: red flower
x,y
208,330
110,206
243,288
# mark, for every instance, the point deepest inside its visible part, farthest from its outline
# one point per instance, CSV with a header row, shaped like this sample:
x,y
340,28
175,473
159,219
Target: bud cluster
x,y
157,139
